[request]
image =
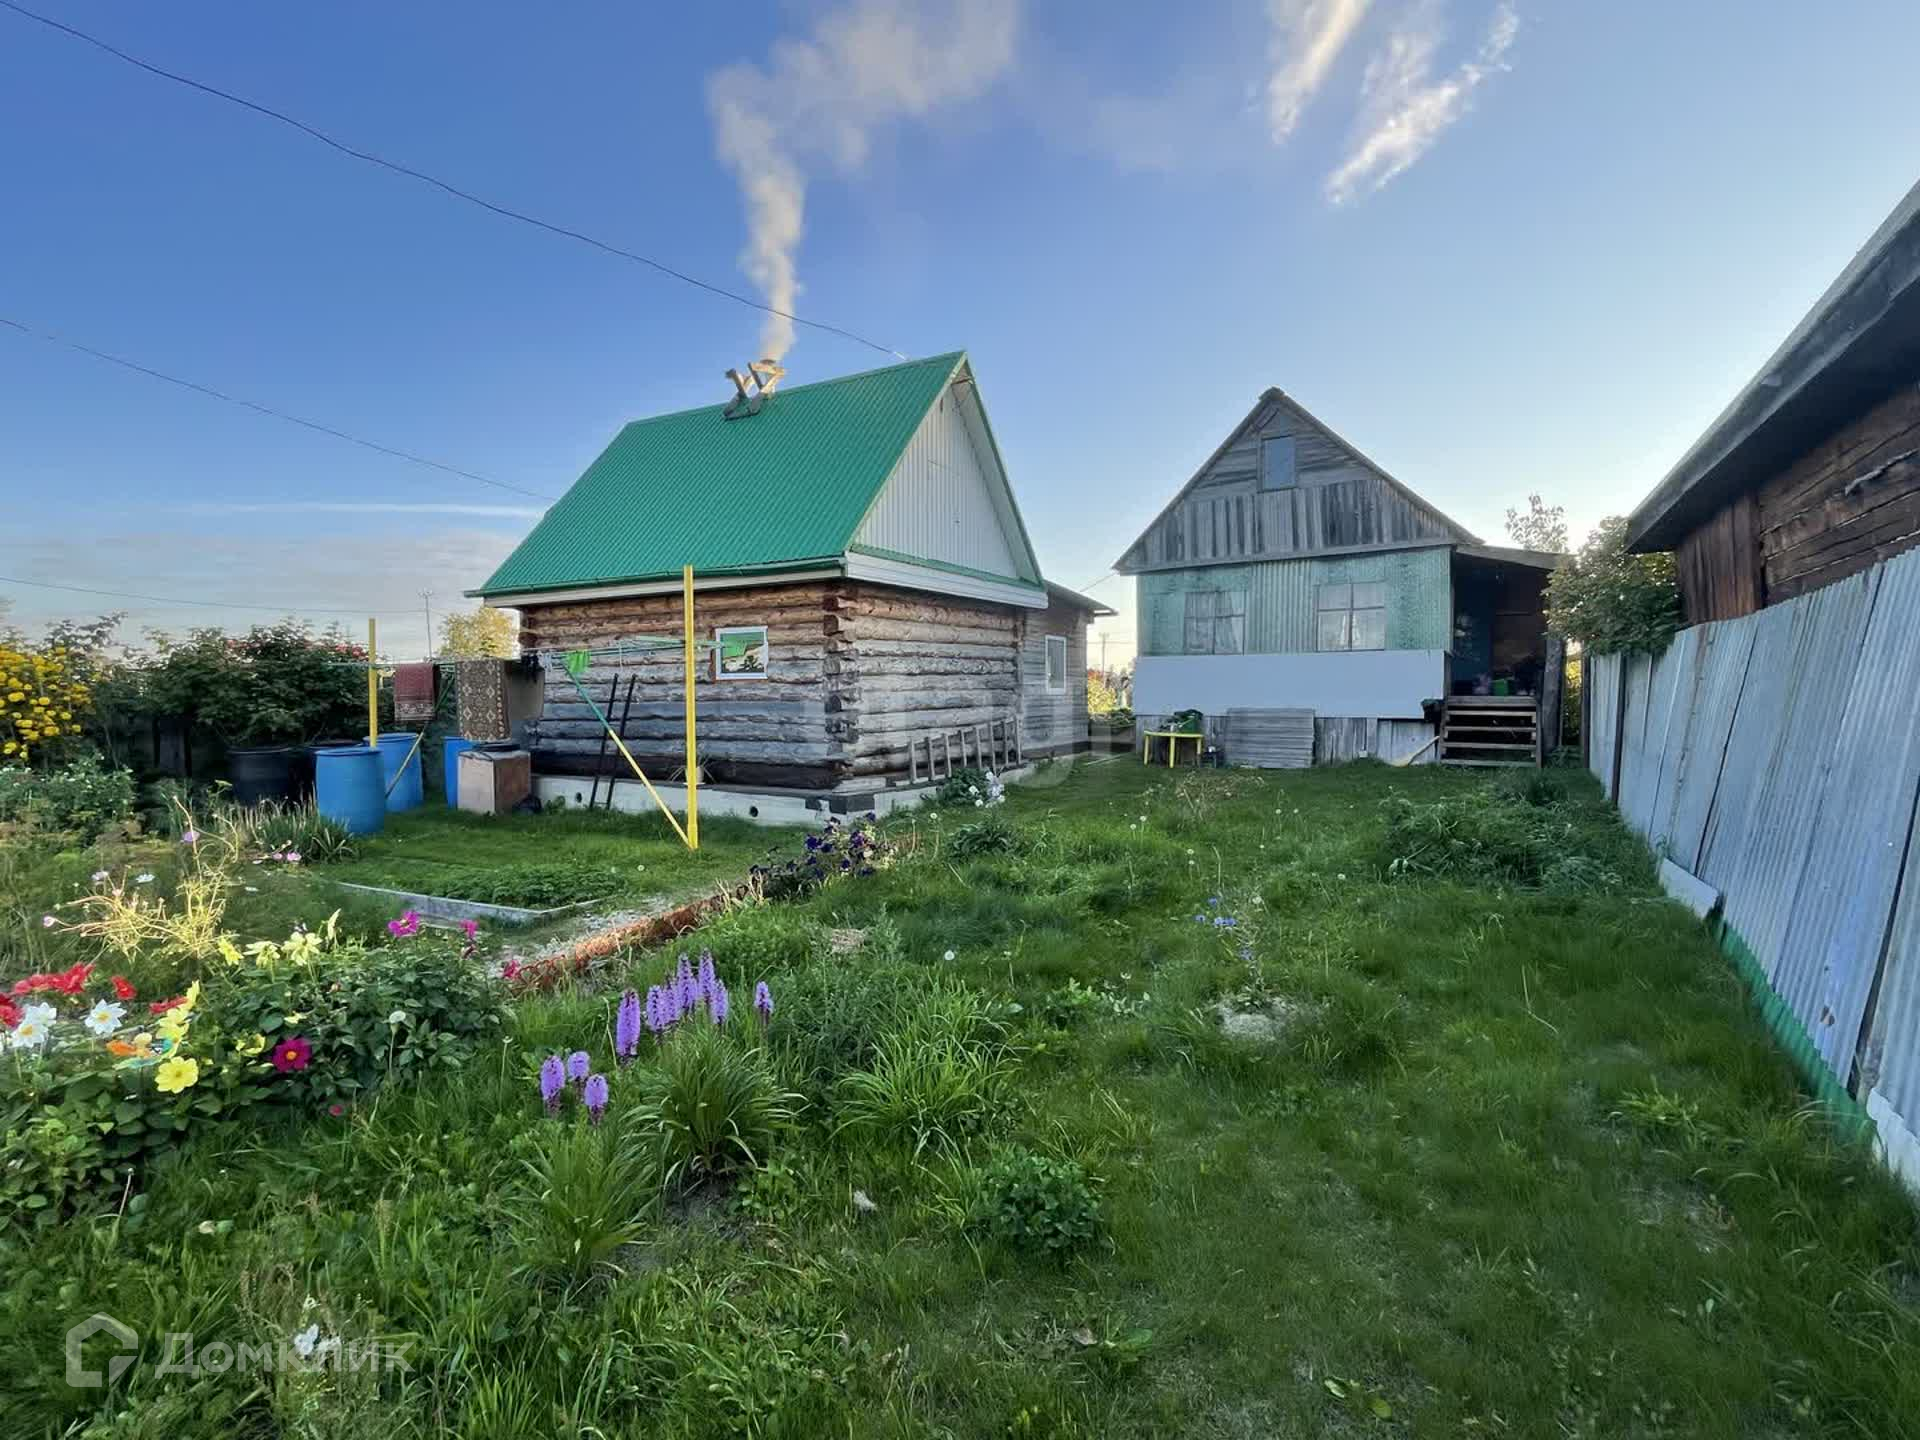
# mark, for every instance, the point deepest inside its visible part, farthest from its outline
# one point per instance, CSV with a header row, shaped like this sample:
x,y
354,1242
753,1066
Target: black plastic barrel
x,y
260,772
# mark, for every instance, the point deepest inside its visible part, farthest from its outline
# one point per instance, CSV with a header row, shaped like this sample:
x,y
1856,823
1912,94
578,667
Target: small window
x,y
1056,664
1351,616
1276,463
1216,622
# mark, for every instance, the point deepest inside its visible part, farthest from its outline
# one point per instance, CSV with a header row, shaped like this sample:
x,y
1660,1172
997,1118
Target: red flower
x,y
336,1109
9,1012
160,1007
70,981
123,988
292,1054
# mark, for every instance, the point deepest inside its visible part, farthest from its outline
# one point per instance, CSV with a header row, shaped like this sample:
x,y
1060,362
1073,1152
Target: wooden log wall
x,y
787,729
1850,502
911,662
857,673
1054,721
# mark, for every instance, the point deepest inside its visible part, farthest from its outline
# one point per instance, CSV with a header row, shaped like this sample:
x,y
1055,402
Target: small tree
x,y
1542,527
1609,600
486,633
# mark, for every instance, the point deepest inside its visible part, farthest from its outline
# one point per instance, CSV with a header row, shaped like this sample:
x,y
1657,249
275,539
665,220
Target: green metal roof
x,y
763,492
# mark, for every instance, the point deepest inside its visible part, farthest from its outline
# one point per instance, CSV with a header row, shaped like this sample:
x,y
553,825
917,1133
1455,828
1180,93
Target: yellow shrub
x,y
42,699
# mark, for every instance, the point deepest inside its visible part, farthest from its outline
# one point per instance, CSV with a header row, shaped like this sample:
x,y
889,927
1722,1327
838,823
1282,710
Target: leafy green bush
x,y
971,787
1478,838
762,939
274,829
991,834
1610,600
835,851
536,885
1037,1204
277,684
931,1087
83,797
365,1013
585,1193
848,1010
715,1105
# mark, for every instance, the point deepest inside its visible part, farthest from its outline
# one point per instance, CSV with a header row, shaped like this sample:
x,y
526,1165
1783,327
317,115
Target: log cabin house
x,y
873,604
1314,608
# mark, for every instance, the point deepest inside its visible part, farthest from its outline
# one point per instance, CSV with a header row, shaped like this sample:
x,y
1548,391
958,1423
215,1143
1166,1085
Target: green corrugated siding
x,y
788,485
1280,599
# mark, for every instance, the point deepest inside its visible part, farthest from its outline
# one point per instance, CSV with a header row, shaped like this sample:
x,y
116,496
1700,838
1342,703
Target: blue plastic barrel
x,y
350,787
450,767
407,792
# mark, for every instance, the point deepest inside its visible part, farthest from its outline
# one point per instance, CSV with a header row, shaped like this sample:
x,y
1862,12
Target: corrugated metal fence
x,y
1777,757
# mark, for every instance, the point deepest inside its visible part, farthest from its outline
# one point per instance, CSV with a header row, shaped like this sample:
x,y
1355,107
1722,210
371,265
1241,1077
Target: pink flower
x,y
407,924
470,928
47,922
293,857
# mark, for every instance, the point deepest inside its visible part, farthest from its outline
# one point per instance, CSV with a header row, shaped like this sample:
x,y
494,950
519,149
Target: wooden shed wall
x,y
855,672
1339,501
787,730
909,663
1846,504
1850,502
1054,721
1718,565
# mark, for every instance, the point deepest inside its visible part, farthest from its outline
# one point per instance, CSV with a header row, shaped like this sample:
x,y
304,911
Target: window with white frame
x,y
1216,622
1056,664
1351,616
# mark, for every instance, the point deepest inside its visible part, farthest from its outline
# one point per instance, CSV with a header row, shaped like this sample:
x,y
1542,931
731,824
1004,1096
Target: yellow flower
x,y
295,1017
302,947
173,1076
247,1049
229,952
16,696
173,1025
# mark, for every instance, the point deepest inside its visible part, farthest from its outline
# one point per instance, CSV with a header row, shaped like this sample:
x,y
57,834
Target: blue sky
x,y
1498,248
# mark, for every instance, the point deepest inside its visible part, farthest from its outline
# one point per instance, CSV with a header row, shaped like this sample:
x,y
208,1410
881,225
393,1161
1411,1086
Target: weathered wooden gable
x,y
1338,501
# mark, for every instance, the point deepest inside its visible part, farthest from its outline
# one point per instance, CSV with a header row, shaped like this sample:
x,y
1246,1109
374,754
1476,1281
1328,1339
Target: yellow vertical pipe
x,y
373,687
693,751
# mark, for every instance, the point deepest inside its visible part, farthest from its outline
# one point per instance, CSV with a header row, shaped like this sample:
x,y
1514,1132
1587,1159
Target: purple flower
x,y
553,1080
686,992
189,837
407,924
579,1065
708,979
596,1097
656,1009
626,1025
717,1003
1225,922
763,1002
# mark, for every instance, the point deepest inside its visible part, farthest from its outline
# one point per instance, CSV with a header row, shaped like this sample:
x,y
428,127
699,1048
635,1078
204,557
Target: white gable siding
x,y
944,499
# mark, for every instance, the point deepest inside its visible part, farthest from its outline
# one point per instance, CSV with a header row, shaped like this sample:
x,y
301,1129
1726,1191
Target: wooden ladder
x,y
1501,730
992,746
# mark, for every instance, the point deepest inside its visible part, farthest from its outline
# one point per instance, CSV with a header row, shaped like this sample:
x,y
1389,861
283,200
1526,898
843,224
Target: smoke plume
x,y
821,100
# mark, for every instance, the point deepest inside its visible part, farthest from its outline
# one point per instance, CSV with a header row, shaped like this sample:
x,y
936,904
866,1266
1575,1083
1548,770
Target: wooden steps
x,y
1490,731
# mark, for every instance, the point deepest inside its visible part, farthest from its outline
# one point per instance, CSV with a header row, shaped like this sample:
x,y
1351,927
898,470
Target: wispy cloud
x,y
361,507
1307,37
822,99
1404,110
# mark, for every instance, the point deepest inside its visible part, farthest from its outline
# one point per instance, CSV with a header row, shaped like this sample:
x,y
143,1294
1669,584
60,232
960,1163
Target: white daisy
x,y
305,1340
29,1035
104,1019
39,1013
145,877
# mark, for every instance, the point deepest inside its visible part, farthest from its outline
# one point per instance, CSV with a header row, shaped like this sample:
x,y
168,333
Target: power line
x,y
446,187
211,604
257,408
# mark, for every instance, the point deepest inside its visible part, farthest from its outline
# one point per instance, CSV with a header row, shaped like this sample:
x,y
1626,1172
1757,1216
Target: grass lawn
x,y
1497,1149
546,860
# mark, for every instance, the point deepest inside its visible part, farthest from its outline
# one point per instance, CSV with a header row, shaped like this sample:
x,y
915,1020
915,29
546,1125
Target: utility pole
x,y
426,601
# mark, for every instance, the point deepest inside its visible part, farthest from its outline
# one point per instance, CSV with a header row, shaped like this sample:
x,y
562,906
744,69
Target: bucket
x,y
406,793
450,767
350,787
261,772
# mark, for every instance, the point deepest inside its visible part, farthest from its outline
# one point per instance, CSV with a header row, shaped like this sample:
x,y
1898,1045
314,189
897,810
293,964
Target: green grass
x,y
1519,1161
